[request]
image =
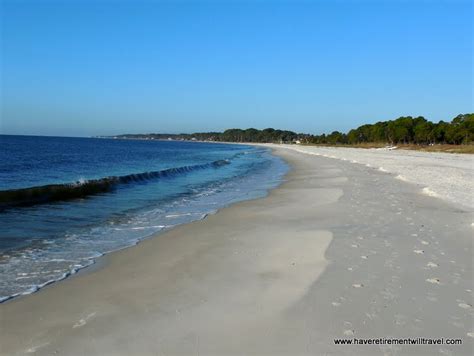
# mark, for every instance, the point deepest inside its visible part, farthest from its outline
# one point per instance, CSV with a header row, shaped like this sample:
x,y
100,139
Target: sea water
x,y
66,201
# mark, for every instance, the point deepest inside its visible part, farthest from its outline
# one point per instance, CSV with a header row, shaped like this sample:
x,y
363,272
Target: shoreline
x,y
282,274
96,263
438,174
100,261
227,194
111,264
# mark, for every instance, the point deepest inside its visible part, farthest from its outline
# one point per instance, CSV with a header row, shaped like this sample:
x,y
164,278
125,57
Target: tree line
x,y
232,135
405,129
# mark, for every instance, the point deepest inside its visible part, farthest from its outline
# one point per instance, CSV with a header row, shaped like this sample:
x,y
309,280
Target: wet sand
x,y
338,251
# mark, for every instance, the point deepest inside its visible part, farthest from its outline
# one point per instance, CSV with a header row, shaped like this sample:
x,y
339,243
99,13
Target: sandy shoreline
x,y
337,251
445,175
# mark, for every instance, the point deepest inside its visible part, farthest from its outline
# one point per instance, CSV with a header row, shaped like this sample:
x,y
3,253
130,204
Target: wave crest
x,y
83,188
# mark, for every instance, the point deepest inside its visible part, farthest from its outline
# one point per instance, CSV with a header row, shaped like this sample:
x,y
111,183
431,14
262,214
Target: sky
x,y
104,67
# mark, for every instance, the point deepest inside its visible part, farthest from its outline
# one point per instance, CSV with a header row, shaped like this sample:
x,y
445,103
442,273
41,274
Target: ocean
x,y
64,202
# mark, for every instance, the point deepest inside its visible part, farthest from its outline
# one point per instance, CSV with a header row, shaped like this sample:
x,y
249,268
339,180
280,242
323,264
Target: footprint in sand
x,y
423,242
465,305
445,352
355,245
419,252
432,265
364,257
336,304
33,349
433,280
399,320
83,321
357,285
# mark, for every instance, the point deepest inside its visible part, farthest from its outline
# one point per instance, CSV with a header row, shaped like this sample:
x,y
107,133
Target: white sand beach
x,y
340,250
445,175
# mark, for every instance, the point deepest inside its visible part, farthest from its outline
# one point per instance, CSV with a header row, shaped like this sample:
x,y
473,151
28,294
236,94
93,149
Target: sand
x,y
444,175
338,251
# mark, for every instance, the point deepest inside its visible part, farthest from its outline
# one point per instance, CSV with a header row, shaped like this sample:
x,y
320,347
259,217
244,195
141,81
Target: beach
x,y
340,250
446,175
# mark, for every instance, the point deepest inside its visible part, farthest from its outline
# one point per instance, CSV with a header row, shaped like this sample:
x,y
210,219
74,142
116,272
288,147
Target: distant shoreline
x,y
461,148
406,130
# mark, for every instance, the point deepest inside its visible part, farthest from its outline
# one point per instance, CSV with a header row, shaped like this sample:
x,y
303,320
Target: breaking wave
x,y
62,192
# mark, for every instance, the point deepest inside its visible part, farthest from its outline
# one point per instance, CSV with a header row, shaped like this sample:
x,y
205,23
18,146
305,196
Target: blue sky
x,y
84,67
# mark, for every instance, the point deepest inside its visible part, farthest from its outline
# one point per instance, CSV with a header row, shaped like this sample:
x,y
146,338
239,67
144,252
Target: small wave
x,y
83,188
171,216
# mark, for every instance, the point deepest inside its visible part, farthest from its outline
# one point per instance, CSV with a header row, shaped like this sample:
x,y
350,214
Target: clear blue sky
x,y
84,67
